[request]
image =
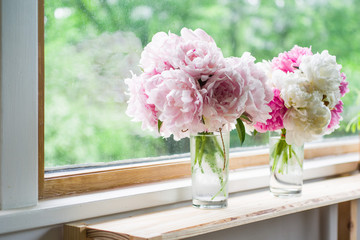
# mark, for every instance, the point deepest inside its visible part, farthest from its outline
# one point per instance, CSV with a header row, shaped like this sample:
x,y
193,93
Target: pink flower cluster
x,y
289,61
277,113
286,62
187,86
336,112
290,64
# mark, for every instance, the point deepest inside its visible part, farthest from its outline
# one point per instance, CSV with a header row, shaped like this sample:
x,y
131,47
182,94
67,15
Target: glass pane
x,y
91,46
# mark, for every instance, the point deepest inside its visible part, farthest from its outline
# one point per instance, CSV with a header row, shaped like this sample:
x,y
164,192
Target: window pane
x,y
92,45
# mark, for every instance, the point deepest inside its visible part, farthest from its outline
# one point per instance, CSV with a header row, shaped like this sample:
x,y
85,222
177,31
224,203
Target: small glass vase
x,y
210,169
286,166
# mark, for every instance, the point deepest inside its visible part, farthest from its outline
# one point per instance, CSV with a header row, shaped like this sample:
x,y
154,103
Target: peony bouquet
x,y
307,97
188,87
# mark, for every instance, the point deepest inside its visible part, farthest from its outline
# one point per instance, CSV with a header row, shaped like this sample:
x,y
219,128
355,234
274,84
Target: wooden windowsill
x,y
85,181
188,221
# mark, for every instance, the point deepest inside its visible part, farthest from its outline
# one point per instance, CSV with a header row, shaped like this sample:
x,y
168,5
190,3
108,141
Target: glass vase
x,y
286,166
210,169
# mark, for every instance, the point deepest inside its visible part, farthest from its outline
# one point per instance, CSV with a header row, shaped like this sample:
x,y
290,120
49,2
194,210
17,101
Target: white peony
x,y
323,74
307,123
310,92
266,66
293,89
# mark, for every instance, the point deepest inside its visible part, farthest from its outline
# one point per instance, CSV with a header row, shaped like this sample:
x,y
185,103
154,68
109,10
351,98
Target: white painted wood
x,y
18,132
299,226
328,222
142,198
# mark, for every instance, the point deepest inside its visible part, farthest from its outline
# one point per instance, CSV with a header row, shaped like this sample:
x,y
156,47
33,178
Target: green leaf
x,y
353,128
297,158
291,151
159,125
201,153
347,129
255,132
353,124
246,118
240,128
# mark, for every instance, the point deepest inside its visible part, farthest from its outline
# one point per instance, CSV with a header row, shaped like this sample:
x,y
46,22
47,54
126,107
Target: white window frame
x,y
19,104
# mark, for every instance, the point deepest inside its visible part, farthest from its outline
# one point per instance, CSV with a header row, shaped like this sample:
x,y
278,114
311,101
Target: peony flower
x,y
336,112
289,61
198,55
159,55
189,87
224,99
335,117
277,113
266,66
343,85
307,123
179,103
259,93
197,35
310,89
138,107
323,74
295,90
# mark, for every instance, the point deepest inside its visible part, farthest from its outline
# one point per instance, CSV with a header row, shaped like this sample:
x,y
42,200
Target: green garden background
x,y
91,46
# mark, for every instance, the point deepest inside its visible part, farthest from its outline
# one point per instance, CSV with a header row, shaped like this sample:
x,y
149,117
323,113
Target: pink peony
x,y
138,108
343,85
338,109
307,95
289,61
224,100
198,55
190,87
159,55
276,121
197,35
259,93
335,116
178,102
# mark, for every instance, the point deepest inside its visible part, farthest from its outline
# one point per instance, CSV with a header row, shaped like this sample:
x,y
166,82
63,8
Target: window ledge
x,y
75,208
187,221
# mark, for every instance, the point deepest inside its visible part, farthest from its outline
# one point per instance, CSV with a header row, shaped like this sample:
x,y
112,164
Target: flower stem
x,y
283,152
211,152
224,151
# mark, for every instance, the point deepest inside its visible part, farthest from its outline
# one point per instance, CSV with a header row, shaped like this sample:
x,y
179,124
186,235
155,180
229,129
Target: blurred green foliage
x,y
92,45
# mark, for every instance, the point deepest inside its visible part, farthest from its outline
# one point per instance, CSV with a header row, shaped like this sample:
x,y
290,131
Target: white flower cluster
x,y
309,94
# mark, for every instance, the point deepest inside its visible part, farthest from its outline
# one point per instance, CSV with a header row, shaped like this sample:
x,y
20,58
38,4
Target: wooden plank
x,y
188,221
115,178
41,96
347,220
353,219
67,184
330,148
75,231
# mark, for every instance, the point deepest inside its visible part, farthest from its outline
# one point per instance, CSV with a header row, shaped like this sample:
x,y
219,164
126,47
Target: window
x,y
91,46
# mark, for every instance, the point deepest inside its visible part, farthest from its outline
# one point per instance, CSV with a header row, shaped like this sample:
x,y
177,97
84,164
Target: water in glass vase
x,y
209,169
286,168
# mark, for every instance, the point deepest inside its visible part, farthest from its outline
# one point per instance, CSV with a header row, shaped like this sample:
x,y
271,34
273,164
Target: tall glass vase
x,y
286,166
210,169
